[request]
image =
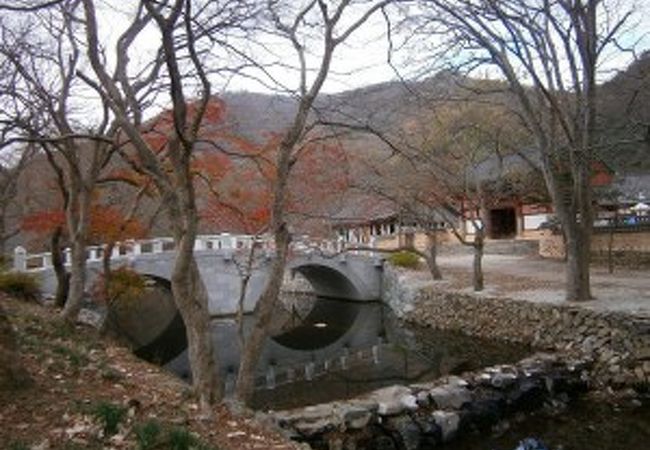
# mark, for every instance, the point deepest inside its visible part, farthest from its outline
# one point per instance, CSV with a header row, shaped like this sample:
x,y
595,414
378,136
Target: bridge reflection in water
x,y
342,349
330,337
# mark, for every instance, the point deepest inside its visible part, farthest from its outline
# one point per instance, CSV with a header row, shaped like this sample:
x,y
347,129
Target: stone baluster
x,y
67,256
199,244
46,260
137,248
20,258
310,369
157,246
116,251
270,377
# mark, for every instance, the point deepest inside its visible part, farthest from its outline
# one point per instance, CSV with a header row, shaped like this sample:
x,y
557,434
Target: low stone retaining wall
x,y
618,343
428,415
629,248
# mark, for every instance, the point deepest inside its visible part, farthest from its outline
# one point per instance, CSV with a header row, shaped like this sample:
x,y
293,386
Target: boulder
x,y
450,397
393,400
448,423
407,432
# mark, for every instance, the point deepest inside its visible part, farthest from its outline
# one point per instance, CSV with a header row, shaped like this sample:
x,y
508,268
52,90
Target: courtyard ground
x,y
535,279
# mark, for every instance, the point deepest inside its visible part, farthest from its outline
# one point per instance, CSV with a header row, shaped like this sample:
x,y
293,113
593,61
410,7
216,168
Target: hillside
x,y
81,383
623,122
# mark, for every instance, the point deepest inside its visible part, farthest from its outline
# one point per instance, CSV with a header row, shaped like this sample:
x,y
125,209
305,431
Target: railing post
x,y
20,259
137,248
67,256
199,244
116,251
157,246
46,260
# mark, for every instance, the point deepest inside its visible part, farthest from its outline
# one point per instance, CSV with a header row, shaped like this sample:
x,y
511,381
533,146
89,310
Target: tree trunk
x,y
577,264
62,276
12,373
262,317
432,257
478,245
191,298
77,280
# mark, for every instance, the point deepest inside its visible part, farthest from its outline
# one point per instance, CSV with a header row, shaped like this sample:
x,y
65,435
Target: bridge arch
x,y
337,278
327,281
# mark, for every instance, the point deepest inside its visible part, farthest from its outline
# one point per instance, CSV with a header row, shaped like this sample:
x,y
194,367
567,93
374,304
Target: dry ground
x,y
541,280
75,373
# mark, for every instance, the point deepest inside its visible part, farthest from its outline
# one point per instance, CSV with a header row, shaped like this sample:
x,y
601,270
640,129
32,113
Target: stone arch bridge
x,y
349,275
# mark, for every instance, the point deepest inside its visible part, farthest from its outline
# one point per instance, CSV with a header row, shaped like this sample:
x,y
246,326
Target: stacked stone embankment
x,y
431,414
617,342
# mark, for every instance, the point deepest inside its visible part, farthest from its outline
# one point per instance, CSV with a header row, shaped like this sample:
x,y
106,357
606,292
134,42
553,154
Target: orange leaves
x,y
212,166
318,179
43,222
107,224
162,130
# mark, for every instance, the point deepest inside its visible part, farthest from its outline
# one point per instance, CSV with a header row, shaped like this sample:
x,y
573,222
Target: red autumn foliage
x,y
107,224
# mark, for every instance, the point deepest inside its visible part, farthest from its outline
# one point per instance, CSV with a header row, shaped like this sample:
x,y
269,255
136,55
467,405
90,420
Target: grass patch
x,y
20,285
182,439
110,416
406,259
153,435
148,434
75,358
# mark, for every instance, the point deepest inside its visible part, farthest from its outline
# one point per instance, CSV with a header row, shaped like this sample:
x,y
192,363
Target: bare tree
x,y
10,211
315,31
41,56
188,32
549,53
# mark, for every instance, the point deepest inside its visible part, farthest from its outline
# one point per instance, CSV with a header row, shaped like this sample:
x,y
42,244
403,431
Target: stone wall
x,y
428,415
629,248
618,343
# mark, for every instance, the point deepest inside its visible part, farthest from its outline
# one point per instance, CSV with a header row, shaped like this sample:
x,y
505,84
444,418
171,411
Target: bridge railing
x,y
24,261
129,250
332,247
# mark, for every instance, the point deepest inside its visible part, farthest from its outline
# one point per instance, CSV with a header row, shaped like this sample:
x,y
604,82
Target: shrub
x,y
182,439
126,287
405,259
110,416
148,434
20,285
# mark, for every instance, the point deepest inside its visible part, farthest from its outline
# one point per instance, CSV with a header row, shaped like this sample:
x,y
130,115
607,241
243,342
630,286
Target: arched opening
x,y
154,325
328,320
328,282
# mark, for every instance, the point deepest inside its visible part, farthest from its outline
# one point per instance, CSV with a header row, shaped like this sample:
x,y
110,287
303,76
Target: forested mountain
x,y
624,119
624,122
401,111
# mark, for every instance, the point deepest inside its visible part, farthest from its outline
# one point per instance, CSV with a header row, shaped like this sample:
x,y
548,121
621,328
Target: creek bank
x,y
427,415
617,342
